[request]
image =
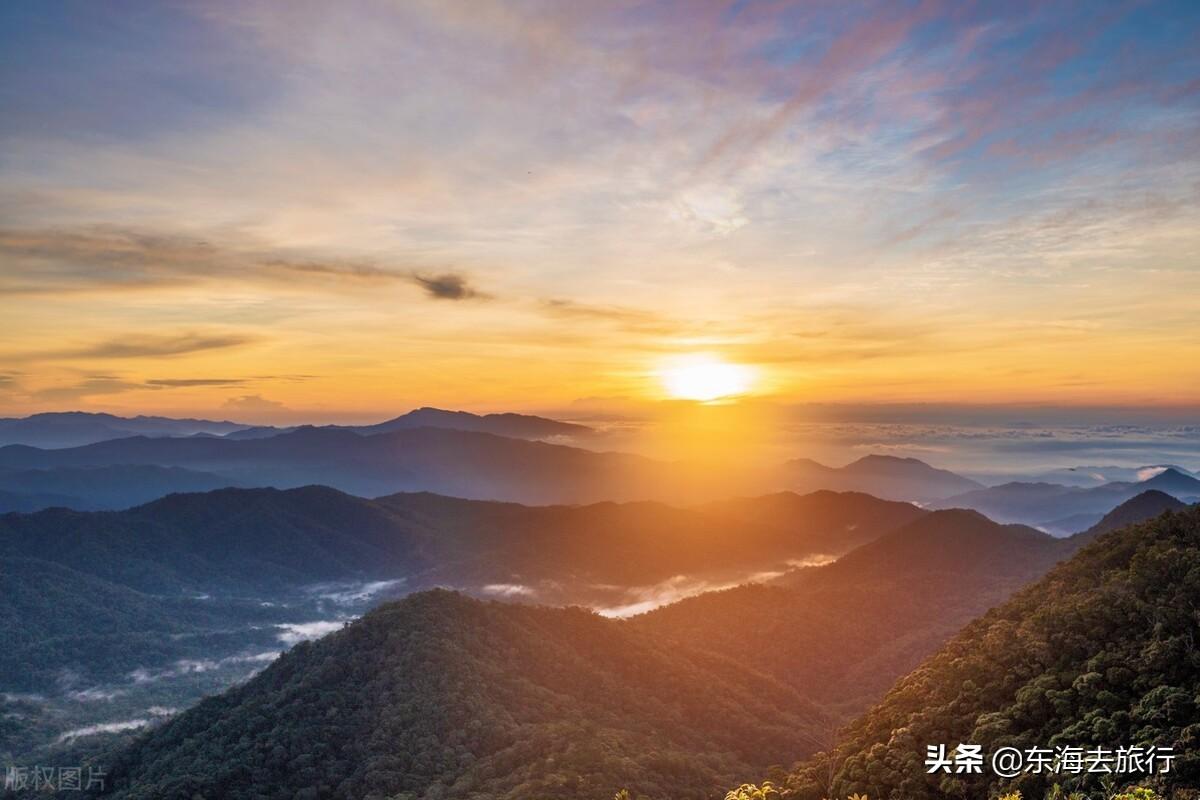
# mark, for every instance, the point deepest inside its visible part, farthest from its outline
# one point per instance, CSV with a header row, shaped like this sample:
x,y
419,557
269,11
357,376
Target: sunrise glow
x,y
705,379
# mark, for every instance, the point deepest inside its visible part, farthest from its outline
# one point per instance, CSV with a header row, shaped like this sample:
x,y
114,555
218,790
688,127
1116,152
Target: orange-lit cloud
x,y
501,205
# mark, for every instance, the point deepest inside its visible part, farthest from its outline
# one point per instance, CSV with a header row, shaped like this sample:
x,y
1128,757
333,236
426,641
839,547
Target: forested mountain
x,y
246,540
439,695
632,544
282,546
1144,506
842,633
64,629
890,477
1101,652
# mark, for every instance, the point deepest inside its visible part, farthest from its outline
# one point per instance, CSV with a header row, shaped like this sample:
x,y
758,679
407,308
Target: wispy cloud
x,y
672,176
252,403
174,383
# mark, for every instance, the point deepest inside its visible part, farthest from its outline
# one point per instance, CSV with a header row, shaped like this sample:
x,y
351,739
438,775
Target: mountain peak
x,y
1144,506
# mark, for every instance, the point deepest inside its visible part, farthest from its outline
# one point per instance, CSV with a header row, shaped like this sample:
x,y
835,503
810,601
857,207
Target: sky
x,y
339,211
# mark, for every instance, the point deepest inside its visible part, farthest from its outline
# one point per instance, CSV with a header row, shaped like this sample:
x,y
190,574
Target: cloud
x,y
252,402
96,385
634,319
447,286
97,257
143,345
185,382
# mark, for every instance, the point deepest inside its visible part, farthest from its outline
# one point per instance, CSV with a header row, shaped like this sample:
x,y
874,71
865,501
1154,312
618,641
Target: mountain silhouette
x,y
454,462
75,428
1144,506
888,477
1038,503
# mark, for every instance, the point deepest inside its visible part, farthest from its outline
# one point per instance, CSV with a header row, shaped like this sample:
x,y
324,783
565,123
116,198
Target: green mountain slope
x,y
1101,652
439,695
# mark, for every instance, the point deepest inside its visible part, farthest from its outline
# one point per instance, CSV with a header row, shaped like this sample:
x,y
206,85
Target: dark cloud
x,y
179,382
106,257
447,286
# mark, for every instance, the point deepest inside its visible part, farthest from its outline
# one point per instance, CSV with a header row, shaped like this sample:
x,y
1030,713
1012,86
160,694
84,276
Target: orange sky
x,y
303,214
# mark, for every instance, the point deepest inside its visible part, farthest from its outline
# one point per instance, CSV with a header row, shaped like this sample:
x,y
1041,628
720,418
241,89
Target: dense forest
x,y
439,695
255,540
1100,652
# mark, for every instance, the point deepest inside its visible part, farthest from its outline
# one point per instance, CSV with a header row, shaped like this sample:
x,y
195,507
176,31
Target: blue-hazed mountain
x,y
890,477
516,426
75,428
1041,503
454,462
98,488
1141,507
1091,476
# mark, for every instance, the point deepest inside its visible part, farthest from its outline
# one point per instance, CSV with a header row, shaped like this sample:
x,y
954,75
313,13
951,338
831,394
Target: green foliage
x,y
1139,793
750,791
441,694
1101,652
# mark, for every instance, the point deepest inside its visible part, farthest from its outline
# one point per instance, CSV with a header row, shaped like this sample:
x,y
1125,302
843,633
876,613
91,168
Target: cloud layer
x,y
870,200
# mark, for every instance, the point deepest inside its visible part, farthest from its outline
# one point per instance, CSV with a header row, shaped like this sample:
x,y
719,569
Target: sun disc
x,y
705,379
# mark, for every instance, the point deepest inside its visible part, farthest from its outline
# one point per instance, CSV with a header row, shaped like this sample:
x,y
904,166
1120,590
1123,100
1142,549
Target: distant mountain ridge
x,y
98,488
443,460
75,428
888,477
59,429
1038,503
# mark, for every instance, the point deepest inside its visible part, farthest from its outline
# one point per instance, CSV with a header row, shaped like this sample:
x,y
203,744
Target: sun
x,y
705,378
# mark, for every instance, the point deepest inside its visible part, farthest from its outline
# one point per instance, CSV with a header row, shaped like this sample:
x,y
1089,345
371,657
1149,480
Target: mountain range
x,y
443,696
77,428
217,553
1049,505
889,477
447,461
509,457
